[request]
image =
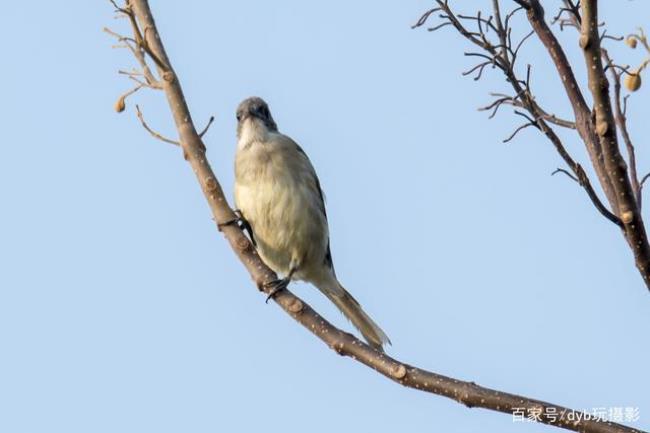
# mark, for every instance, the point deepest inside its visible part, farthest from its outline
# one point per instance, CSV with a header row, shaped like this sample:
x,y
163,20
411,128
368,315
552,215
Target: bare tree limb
x,y
515,102
597,129
615,165
152,81
581,110
621,121
468,393
503,56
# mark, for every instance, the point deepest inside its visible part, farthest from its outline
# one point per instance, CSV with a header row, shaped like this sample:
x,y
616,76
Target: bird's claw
x,y
242,223
275,286
239,220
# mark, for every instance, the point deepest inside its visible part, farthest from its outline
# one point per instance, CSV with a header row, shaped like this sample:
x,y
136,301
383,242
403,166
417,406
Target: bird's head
x,y
254,112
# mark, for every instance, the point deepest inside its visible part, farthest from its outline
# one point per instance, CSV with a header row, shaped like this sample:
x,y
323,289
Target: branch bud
x,y
120,104
296,306
399,372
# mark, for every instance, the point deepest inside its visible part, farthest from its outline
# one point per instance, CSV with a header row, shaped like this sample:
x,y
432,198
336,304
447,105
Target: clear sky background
x,y
122,309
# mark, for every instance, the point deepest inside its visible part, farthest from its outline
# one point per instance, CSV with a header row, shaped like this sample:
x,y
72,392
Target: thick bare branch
x,y
621,121
615,165
581,111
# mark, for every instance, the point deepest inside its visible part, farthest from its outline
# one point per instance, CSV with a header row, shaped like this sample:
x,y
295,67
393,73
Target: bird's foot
x,y
238,220
276,286
241,222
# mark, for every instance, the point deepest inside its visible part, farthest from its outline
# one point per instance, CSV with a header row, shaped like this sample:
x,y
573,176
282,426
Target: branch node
x,y
602,127
242,243
210,184
295,306
399,372
627,217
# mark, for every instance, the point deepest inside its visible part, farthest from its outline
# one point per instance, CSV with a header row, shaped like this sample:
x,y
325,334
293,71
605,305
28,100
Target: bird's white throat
x,y
252,130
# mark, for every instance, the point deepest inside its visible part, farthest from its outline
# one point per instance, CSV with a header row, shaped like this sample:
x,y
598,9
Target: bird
x,y
279,197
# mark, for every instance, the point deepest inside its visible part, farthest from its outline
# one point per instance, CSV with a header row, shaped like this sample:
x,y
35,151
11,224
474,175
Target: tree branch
x,y
504,56
606,129
345,344
621,121
582,113
153,133
596,129
515,102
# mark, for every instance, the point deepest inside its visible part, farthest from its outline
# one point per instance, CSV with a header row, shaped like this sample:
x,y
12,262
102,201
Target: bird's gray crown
x,y
256,107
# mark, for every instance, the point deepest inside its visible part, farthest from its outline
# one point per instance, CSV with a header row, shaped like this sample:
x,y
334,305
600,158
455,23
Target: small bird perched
x,y
279,196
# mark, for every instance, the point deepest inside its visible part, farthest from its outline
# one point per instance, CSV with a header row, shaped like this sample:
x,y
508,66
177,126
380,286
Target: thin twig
x,y
516,131
151,131
643,179
561,170
202,133
516,102
152,81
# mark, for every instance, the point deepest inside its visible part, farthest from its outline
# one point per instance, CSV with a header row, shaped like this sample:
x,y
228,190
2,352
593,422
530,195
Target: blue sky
x,y
123,309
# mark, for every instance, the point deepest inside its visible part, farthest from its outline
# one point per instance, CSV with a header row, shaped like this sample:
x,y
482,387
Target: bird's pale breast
x,y
277,193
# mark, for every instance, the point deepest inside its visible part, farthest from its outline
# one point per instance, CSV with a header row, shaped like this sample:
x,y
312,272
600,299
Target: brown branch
x,y
599,137
606,129
621,121
583,180
516,131
566,172
152,81
580,174
524,4
425,16
504,57
515,102
581,110
202,133
153,133
598,134
644,178
468,393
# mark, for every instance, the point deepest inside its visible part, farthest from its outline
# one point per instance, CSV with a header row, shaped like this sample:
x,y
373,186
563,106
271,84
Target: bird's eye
x,y
238,117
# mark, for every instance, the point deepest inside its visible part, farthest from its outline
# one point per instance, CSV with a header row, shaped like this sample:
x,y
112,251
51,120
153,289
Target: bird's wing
x,y
316,185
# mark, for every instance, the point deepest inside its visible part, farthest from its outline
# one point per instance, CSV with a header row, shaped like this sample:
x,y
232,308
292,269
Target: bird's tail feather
x,y
351,309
